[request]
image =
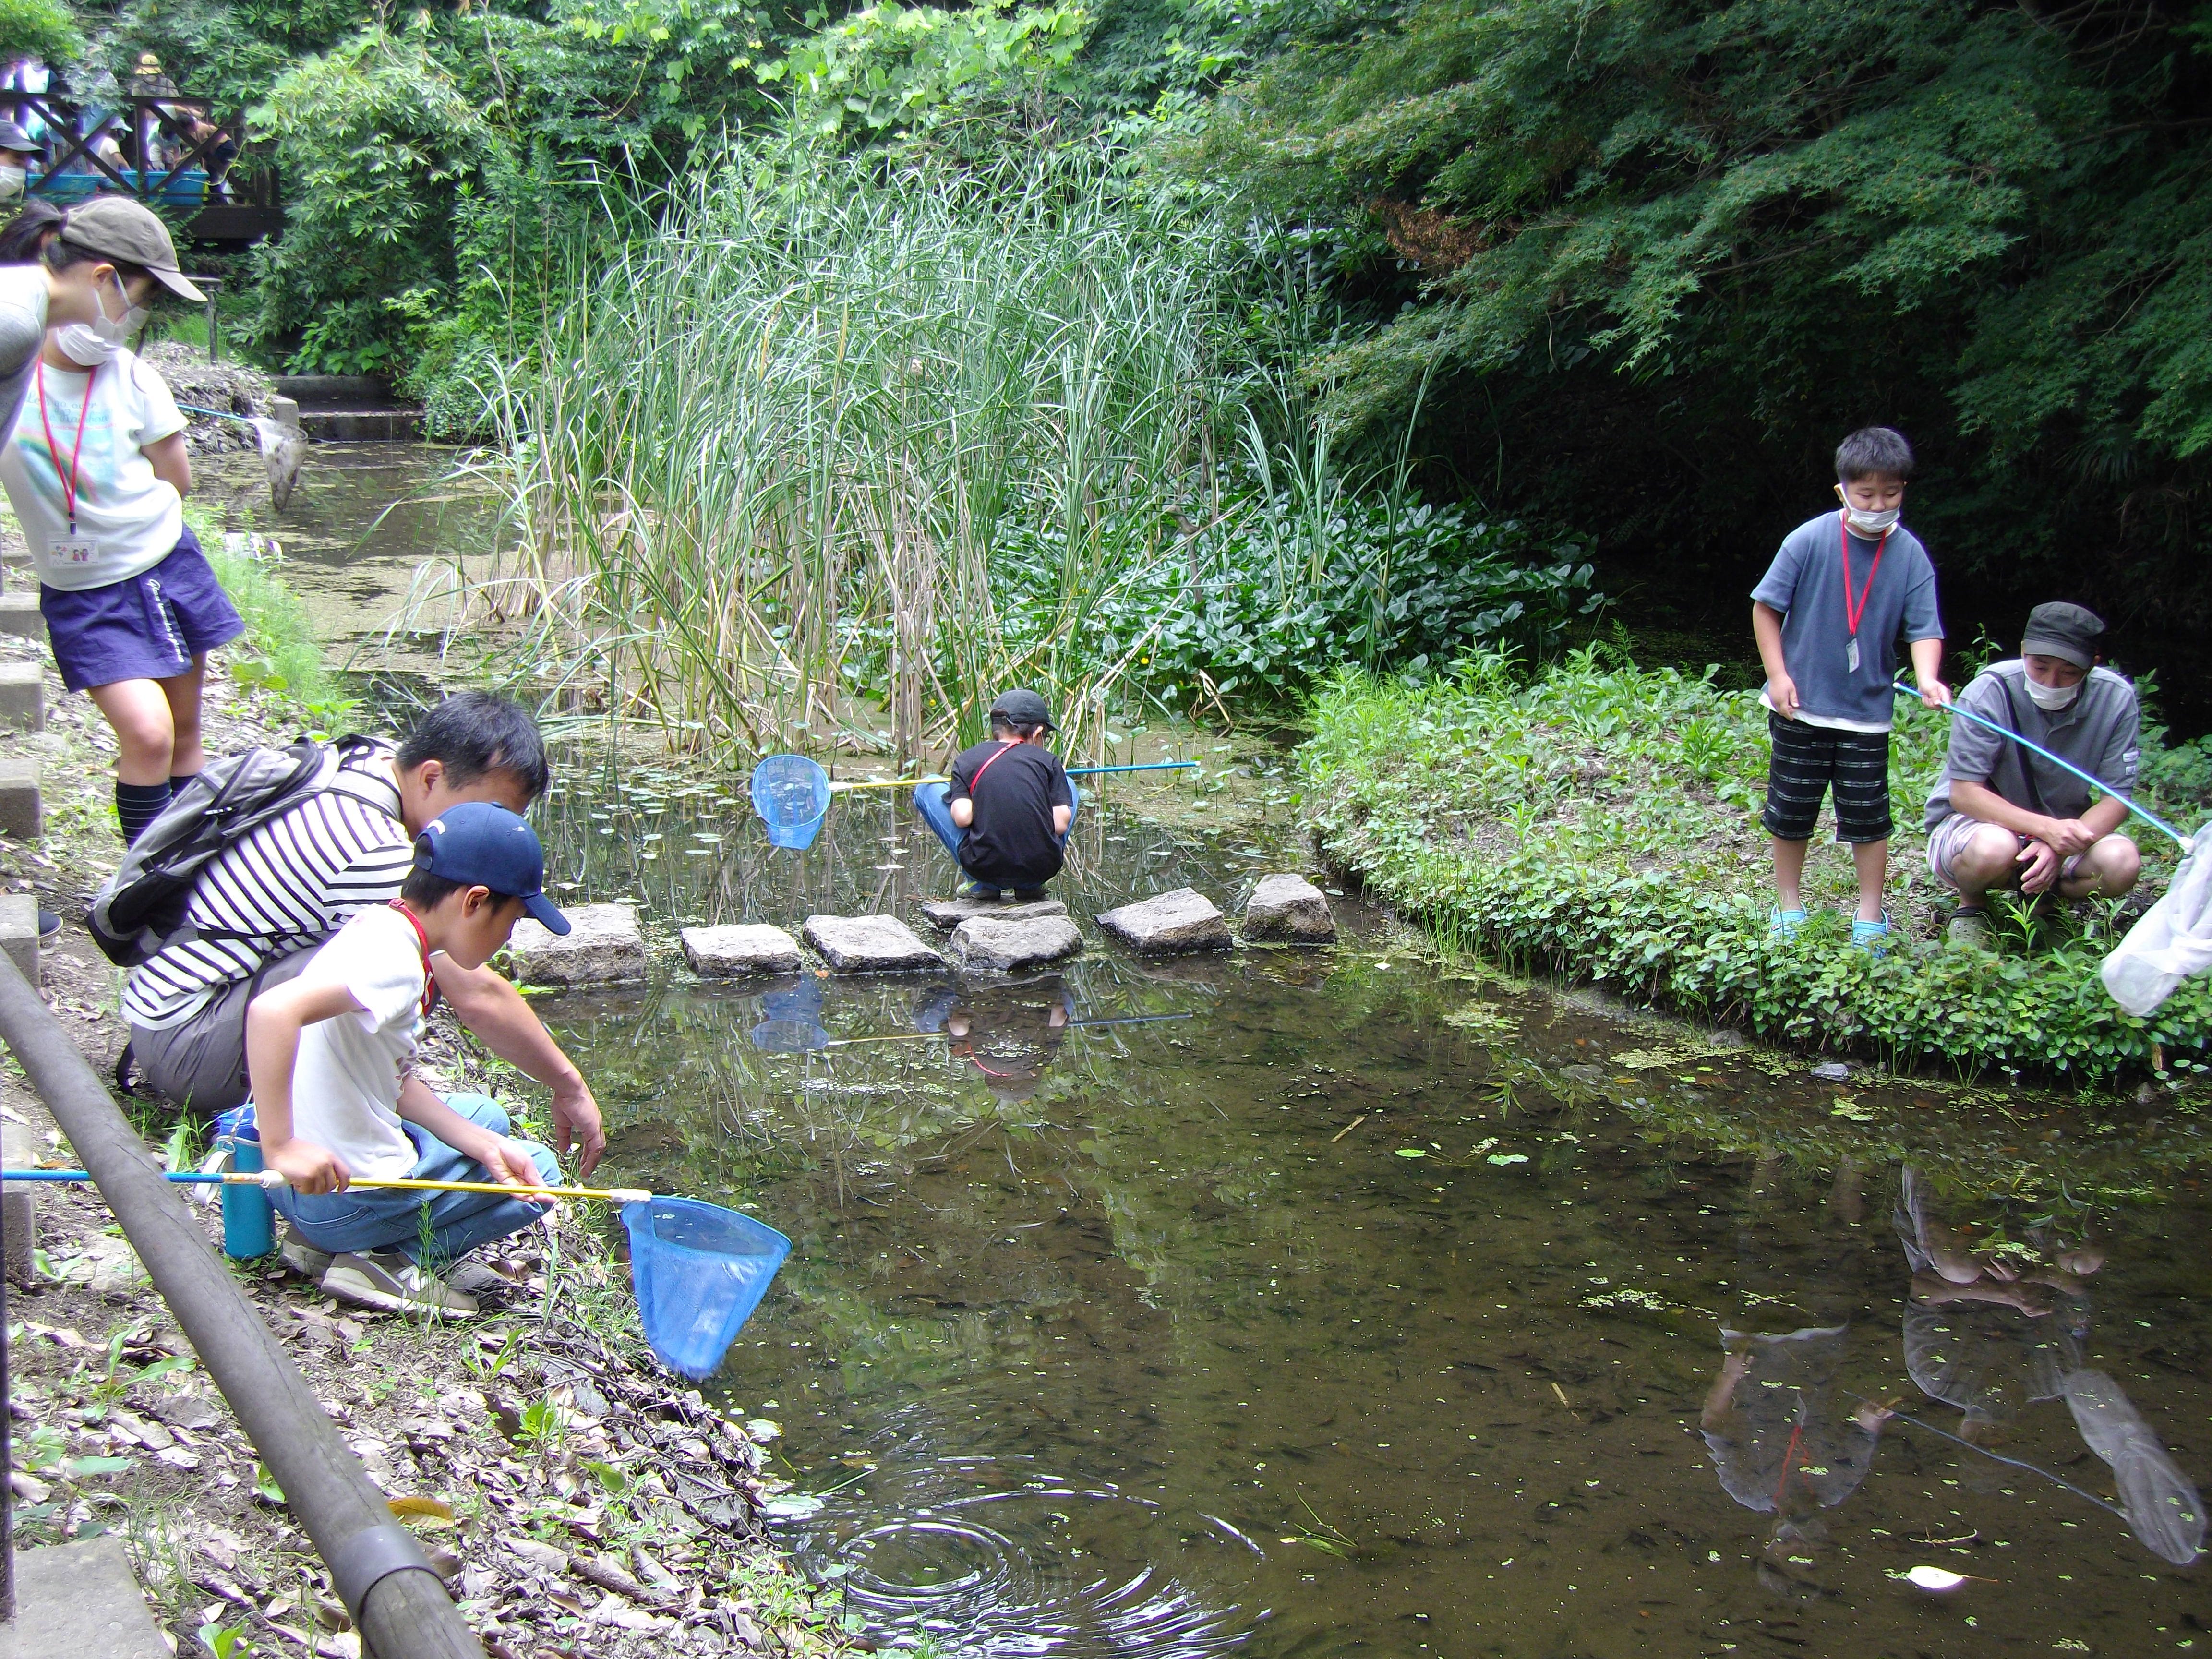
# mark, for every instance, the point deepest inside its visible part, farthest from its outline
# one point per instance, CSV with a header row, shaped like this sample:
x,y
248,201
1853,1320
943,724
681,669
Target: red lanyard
x,y
68,481
1853,612
429,979
1009,743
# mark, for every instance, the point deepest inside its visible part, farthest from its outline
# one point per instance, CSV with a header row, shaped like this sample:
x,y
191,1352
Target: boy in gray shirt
x,y
1999,817
1827,616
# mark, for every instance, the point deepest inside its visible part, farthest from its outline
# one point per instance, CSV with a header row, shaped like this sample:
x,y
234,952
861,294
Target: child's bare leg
x,y
1790,873
145,729
1871,858
187,754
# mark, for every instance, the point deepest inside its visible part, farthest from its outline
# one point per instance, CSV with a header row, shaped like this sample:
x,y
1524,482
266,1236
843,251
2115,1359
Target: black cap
x,y
1022,708
2064,630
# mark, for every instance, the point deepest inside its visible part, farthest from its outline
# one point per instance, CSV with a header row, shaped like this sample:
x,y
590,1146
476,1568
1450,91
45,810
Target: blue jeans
x,y
929,800
375,1219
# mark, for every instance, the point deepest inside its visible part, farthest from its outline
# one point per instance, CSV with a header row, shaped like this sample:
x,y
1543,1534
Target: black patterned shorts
x,y
1809,760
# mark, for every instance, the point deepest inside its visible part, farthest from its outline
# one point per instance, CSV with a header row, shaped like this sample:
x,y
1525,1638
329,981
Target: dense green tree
x,y
1652,258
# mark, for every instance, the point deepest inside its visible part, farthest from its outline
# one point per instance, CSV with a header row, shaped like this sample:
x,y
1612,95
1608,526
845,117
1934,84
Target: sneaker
x,y
1968,930
478,1279
1785,924
1028,895
50,927
387,1279
302,1257
1872,937
978,889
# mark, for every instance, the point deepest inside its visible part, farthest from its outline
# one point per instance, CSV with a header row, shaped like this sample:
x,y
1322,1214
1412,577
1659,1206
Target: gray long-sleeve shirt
x,y
2098,731
23,331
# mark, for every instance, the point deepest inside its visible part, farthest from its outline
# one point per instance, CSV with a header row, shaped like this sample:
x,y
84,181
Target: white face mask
x,y
1871,524
80,345
118,331
2052,698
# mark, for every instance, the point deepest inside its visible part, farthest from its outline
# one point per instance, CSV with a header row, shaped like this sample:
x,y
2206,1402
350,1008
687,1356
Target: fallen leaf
x,y
437,1508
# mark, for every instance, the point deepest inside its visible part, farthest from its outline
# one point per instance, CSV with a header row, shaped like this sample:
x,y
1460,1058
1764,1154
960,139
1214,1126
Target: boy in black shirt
x,y
1006,815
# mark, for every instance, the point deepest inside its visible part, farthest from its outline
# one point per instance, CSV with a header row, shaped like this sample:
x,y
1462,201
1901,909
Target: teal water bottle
x,y
249,1228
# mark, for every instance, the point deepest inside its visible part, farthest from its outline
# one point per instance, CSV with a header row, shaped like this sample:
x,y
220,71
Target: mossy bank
x,y
1600,822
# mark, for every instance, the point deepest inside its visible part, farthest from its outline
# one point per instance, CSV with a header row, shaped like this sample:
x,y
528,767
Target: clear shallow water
x,y
1150,1338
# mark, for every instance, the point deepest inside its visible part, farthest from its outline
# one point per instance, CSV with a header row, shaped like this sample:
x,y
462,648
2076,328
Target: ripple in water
x,y
1021,1585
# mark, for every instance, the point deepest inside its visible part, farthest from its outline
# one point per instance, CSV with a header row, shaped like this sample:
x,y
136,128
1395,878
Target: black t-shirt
x,y
1010,843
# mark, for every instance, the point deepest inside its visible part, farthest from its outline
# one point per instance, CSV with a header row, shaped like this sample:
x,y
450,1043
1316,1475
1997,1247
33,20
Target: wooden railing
x,y
239,204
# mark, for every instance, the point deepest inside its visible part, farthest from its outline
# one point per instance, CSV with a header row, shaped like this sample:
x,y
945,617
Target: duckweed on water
x,y
1602,822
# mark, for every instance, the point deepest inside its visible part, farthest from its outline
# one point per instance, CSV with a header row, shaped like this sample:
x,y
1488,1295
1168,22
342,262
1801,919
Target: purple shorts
x,y
148,628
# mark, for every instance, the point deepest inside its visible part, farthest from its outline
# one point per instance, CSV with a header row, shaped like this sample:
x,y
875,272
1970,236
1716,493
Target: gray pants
x,y
200,1063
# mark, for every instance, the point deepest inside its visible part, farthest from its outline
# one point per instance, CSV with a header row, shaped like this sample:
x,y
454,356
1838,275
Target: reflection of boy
x,y
1010,1035
330,1056
1005,814
1778,1447
1826,615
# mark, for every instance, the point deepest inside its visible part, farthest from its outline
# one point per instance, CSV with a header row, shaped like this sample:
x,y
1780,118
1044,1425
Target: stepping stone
x,y
18,1204
18,933
1185,920
1003,945
868,945
80,1598
945,914
19,614
23,696
602,946
1289,908
20,813
738,950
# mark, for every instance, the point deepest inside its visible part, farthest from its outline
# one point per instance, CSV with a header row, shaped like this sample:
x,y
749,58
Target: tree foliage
x,y
1660,255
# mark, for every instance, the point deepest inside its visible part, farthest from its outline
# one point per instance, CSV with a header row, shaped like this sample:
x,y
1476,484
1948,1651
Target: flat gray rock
x,y
868,945
602,947
1005,945
945,914
1185,920
1289,908
738,950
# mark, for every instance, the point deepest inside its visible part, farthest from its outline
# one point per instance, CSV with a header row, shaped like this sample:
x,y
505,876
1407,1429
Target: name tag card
x,y
73,549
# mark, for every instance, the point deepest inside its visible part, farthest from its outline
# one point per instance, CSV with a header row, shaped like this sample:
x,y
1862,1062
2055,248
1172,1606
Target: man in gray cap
x,y
2001,816
16,149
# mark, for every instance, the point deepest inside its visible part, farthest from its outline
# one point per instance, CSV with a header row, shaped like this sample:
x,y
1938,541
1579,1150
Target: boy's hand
x,y
1782,692
1935,693
312,1170
511,1165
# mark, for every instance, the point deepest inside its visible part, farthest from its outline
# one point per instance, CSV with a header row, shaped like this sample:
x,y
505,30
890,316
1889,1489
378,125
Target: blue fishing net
x,y
792,794
699,1271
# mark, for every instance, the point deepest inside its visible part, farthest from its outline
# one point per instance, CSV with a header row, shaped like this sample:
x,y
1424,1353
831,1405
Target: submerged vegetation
x,y
1599,821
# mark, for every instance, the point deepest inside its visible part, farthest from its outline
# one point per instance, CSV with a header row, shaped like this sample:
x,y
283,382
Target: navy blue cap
x,y
482,845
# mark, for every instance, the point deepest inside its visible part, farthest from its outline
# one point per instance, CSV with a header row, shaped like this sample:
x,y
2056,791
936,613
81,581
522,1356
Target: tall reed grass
x,y
771,455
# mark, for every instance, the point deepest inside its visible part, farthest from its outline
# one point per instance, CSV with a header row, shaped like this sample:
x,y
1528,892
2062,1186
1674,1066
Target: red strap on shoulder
x,y
1004,744
423,939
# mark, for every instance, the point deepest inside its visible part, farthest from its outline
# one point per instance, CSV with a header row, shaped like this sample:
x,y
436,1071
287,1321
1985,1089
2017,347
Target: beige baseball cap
x,y
117,228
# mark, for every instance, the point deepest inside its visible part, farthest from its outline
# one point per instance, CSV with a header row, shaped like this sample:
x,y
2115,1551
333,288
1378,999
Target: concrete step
x,y
82,1600
19,614
21,814
19,1204
23,696
354,426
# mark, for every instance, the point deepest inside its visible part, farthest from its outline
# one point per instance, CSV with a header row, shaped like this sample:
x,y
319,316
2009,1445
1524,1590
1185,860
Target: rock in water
x,y
945,914
1003,944
868,945
736,950
602,946
1832,1070
1185,920
1289,908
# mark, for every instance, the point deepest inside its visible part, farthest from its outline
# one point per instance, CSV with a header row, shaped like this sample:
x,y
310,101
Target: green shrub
x,y
1600,822
279,652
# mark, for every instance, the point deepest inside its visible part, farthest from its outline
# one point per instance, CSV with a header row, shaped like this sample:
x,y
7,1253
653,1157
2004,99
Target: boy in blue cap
x,y
335,1098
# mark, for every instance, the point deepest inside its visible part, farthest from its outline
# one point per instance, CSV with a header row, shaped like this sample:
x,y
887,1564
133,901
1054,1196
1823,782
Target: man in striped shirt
x,y
263,907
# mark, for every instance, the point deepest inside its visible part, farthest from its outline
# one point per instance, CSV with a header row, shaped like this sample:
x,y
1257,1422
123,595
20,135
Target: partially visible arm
x,y
506,1162
963,811
170,461
1927,666
507,1024
273,1021
1766,629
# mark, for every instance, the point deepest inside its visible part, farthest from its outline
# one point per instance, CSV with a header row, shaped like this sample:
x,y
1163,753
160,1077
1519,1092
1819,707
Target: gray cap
x,y
1022,708
118,228
13,138
2063,630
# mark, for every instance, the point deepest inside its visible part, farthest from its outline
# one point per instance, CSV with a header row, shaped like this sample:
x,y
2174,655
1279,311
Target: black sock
x,y
177,784
137,804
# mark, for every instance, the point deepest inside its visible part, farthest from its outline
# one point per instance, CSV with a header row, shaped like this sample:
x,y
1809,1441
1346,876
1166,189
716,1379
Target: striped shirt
x,y
290,884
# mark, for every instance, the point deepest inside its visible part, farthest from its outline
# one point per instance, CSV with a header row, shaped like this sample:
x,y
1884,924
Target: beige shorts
x,y
1948,839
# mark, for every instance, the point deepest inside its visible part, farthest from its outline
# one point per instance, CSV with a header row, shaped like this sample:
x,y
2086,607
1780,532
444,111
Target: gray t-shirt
x,y
1805,583
2098,731
23,331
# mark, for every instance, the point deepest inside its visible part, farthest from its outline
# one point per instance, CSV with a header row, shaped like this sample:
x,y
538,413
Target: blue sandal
x,y
1785,924
1872,937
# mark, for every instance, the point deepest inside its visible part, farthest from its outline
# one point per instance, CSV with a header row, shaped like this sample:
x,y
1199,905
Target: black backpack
x,y
140,910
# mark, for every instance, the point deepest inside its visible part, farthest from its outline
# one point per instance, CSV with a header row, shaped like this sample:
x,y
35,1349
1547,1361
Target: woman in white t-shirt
x,y
96,470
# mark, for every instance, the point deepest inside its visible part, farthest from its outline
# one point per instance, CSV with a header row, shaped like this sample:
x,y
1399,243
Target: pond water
x,y
1344,1302
1349,1304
